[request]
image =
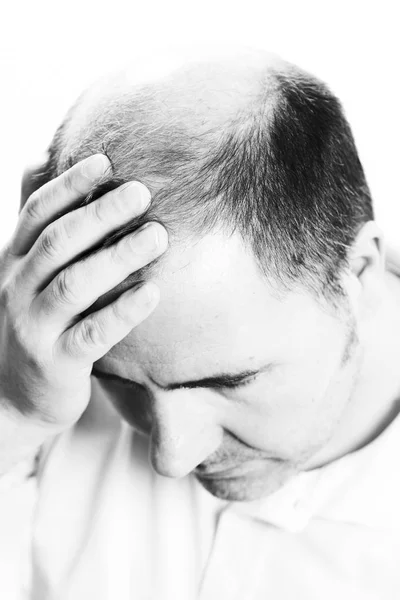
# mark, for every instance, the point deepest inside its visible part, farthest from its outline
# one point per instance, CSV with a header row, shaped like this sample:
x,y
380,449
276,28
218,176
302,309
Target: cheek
x,y
288,416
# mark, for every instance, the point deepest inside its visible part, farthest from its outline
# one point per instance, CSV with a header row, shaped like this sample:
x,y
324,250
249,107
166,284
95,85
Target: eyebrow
x,y
224,380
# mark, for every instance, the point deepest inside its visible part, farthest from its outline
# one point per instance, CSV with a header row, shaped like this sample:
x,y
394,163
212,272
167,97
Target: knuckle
x,y
50,241
63,291
69,181
98,211
68,226
33,207
21,333
91,333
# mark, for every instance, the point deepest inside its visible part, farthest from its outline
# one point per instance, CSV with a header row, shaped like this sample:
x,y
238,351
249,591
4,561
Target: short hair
x,y
283,172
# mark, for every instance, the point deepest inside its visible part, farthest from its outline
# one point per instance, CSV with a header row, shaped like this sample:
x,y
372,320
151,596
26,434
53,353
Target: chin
x,y
250,486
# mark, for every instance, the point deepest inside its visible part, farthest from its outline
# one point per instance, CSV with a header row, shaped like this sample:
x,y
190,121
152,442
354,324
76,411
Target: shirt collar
x,y
361,488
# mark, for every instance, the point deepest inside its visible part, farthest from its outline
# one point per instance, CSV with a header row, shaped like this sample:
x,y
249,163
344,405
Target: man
x,y
241,322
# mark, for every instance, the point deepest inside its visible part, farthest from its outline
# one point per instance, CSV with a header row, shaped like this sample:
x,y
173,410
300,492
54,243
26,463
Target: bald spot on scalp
x,y
200,97
242,144
185,111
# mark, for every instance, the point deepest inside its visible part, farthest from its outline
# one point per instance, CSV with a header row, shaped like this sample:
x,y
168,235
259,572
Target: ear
x,y
33,177
367,267
393,259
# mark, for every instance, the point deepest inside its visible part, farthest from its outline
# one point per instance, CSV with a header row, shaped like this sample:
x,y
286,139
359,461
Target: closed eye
x,y
226,381
237,384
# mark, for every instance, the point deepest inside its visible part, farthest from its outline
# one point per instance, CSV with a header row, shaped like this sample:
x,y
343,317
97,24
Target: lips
x,y
246,467
225,473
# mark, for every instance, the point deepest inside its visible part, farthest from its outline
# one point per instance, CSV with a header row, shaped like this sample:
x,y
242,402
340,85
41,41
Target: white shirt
x,y
103,525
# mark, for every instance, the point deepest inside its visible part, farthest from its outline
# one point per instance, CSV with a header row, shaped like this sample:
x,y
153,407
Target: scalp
x,y
240,142
199,92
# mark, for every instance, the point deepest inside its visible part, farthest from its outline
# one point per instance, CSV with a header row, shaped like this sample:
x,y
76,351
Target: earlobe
x,y
368,251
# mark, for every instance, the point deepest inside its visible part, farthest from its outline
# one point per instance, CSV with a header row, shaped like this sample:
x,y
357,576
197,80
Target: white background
x,y
50,51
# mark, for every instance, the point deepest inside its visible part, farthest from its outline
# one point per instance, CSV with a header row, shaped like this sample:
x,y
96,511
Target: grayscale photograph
x,y
200,301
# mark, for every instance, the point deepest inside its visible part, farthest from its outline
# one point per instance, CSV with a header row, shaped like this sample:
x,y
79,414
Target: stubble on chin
x,y
252,486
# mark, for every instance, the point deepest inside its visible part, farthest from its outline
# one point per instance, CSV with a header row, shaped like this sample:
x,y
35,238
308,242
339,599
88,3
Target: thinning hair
x,y
282,171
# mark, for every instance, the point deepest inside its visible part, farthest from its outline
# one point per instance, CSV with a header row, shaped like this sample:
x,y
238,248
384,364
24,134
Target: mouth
x,y
232,473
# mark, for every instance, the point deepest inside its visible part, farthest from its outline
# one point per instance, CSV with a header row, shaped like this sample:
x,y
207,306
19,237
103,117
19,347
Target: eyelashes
x,y
238,384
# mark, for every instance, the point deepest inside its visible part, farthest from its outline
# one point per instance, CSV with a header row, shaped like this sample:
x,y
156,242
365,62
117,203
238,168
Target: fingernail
x,y
94,167
138,192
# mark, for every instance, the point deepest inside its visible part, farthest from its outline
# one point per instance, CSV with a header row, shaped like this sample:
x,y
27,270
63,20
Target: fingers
x,y
55,197
94,336
32,177
78,286
78,231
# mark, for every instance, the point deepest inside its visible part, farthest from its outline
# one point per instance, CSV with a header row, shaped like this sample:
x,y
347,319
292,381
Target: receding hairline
x,y
218,90
263,164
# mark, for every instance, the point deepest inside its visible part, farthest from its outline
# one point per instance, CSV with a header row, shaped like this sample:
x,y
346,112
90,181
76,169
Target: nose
x,y
185,432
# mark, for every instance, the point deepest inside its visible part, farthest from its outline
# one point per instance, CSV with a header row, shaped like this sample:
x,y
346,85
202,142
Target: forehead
x,y
216,313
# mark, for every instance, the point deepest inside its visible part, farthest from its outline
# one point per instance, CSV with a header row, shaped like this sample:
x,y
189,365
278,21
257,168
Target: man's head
x,y
249,361
247,144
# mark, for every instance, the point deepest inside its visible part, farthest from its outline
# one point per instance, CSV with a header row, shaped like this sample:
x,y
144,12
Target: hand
x,y
46,347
